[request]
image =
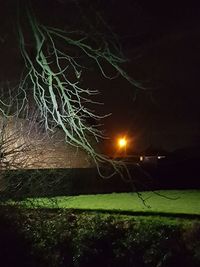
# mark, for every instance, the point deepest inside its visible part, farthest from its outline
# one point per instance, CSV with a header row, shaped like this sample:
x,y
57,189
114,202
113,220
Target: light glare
x,y
122,142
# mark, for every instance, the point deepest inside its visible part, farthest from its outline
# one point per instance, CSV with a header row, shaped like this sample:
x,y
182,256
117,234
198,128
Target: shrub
x,y
67,238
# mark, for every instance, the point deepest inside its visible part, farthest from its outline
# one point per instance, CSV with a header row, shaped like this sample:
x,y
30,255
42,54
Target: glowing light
x,y
122,142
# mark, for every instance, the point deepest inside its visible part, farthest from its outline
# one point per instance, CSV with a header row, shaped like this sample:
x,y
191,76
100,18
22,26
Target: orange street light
x,y
122,144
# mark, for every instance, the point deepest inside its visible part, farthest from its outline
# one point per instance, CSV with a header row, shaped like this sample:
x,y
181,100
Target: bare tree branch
x,y
54,79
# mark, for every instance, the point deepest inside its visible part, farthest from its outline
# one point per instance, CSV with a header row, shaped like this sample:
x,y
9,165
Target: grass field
x,y
158,202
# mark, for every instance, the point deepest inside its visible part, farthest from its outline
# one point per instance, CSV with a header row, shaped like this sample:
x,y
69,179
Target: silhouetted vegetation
x,y
67,238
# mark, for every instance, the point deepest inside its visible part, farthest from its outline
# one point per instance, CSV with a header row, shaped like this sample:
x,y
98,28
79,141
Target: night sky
x,y
162,44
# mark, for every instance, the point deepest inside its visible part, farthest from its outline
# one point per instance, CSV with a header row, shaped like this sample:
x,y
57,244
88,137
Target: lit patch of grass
x,y
165,201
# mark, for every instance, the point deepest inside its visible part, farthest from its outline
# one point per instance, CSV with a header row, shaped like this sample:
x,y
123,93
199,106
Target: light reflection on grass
x,y
165,201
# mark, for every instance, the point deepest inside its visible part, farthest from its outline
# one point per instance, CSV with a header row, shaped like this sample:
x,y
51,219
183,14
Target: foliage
x,y
68,238
20,184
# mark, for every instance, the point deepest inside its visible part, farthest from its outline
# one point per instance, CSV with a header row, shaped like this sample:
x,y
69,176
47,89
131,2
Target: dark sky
x,y
161,39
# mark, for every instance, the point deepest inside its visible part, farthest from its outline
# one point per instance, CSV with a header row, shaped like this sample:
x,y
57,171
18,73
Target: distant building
x,y
152,155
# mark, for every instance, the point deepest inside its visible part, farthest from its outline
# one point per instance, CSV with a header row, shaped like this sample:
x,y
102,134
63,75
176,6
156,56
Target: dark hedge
x,y
66,238
18,184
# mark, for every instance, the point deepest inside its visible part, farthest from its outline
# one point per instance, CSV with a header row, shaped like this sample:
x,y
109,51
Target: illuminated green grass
x,y
163,202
